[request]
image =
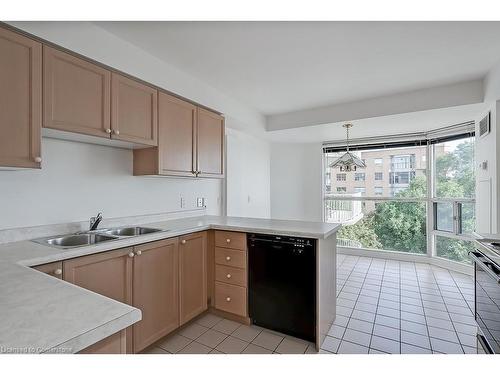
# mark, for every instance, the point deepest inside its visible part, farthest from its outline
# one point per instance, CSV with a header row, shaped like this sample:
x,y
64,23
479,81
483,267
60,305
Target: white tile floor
x,y
383,306
387,306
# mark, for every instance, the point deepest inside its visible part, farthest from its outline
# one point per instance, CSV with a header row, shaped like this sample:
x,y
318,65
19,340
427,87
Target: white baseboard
x,y
409,257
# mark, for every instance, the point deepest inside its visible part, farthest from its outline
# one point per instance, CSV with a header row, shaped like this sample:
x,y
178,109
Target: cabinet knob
x,y
38,159
138,252
58,271
108,131
116,131
131,254
228,240
228,275
228,259
228,299
183,242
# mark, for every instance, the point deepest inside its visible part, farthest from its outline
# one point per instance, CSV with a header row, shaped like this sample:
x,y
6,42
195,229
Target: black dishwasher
x,y
282,284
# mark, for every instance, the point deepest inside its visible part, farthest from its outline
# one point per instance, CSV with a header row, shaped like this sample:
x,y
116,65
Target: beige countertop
x,y
39,313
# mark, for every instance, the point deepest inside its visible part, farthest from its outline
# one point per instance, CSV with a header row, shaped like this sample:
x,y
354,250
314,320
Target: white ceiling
x,y
413,122
277,67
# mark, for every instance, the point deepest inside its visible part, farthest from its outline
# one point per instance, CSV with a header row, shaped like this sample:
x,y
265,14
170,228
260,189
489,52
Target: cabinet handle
x,y
228,299
58,271
108,131
116,131
138,252
228,240
228,259
228,275
183,242
38,159
131,254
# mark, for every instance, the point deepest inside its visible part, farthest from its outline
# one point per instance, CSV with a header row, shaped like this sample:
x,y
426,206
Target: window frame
x,y
429,199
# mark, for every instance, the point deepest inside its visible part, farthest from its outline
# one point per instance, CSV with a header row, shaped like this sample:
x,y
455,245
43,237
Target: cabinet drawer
x,y
231,240
229,257
231,275
231,298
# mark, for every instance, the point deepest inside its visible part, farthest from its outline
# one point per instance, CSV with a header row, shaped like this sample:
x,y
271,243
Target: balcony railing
x,y
345,242
402,165
343,211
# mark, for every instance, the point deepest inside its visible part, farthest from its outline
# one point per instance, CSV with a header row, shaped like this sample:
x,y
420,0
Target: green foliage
x,y
362,232
401,226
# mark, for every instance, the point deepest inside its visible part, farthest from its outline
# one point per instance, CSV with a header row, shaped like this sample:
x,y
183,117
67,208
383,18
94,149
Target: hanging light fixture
x,y
348,162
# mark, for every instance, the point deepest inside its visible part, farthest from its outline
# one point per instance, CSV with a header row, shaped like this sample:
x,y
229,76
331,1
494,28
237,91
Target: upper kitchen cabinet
x,y
190,142
210,144
177,126
76,94
134,111
20,101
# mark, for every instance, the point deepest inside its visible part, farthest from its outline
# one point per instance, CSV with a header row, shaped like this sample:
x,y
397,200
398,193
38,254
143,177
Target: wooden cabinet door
x,y
134,108
109,274
210,144
76,94
156,291
20,100
192,275
176,130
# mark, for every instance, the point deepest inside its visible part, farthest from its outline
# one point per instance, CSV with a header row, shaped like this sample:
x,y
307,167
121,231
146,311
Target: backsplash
x,y
78,180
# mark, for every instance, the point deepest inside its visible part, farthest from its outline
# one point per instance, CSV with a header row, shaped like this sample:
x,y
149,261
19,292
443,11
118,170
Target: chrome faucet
x,y
95,220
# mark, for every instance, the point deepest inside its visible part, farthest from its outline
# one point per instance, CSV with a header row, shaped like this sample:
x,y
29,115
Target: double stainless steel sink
x,y
70,241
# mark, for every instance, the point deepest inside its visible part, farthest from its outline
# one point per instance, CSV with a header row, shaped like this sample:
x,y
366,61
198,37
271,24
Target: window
x,y
341,176
402,162
401,178
359,176
341,190
394,214
453,198
360,189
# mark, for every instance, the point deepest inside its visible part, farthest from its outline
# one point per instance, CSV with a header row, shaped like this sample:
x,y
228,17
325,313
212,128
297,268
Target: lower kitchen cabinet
x,y
156,291
109,274
192,275
114,344
166,280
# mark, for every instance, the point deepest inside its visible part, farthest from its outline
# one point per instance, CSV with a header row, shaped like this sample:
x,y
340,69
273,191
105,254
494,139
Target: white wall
x,y
487,180
78,180
248,175
296,181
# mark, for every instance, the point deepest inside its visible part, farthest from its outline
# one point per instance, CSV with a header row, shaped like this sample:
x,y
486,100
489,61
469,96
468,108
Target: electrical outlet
x,y
183,202
200,202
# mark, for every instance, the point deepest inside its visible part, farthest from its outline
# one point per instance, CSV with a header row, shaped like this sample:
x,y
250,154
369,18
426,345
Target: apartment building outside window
x,y
341,176
425,204
361,190
379,176
359,177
